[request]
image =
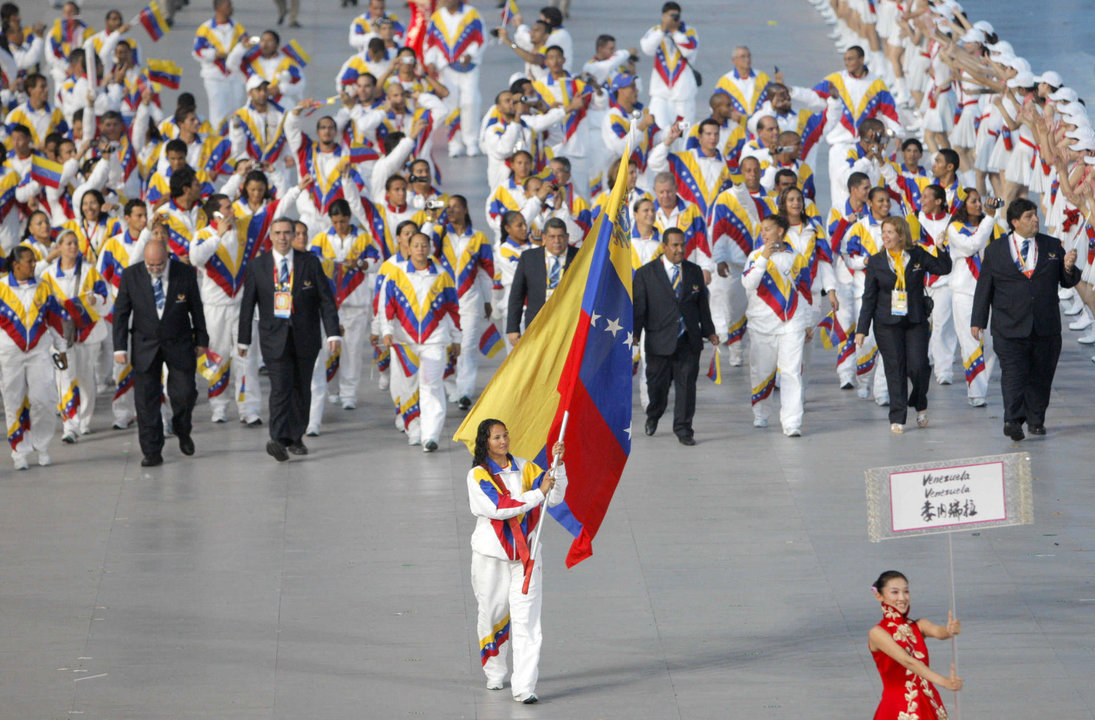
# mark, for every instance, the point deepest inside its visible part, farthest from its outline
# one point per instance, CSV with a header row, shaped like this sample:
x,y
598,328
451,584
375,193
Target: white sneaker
x,y
1081,323
882,400
944,380
760,422
312,432
220,417
20,462
384,382
399,423
792,432
349,405
978,402
455,152
43,458
414,440
1088,339
863,392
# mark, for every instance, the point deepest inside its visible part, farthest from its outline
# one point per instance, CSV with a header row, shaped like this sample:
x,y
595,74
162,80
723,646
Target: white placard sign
x,y
949,496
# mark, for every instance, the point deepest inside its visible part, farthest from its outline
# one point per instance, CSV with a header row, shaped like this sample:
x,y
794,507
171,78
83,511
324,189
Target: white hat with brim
x,y
256,81
1083,145
984,26
1023,80
1064,94
1072,109
973,36
1082,132
1001,46
1050,78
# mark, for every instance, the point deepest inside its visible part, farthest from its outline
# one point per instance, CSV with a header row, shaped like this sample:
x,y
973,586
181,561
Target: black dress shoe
x,y
1014,431
277,451
152,460
651,426
186,445
1037,429
298,448
687,440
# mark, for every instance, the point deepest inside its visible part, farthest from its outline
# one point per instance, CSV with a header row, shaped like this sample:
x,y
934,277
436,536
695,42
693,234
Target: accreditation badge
x,y
899,306
283,304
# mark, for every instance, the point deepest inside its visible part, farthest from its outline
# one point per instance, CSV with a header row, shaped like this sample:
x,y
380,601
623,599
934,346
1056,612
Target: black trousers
x,y
182,391
681,369
290,393
904,349
1027,366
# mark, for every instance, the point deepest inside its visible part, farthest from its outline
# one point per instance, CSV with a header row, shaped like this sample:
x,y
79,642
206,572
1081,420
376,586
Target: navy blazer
x,y
658,311
176,334
878,286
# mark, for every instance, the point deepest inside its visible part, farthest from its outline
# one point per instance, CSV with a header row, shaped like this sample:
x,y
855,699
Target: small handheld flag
x,y
714,373
165,73
491,342
45,172
509,10
153,21
296,53
210,361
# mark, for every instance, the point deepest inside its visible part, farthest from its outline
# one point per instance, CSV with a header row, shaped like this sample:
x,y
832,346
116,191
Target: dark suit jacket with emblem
x,y
313,304
879,282
658,311
1021,306
528,292
176,334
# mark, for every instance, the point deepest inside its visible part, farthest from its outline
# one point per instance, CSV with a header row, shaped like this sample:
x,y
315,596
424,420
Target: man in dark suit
x,y
161,297
293,296
538,274
671,305
1020,274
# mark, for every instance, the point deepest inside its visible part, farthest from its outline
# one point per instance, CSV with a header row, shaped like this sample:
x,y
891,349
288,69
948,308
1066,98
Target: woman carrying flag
x,y
777,283
507,496
420,321
83,296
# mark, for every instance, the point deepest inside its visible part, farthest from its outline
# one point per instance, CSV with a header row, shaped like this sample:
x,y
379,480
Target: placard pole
x,y
954,613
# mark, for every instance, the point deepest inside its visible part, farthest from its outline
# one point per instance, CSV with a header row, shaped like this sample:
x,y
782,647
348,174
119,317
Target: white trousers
x,y
838,170
846,315
977,381
507,613
428,383
29,392
122,405
728,301
881,390
778,354
463,93
224,98
472,323
943,341
355,332
222,323
665,111
77,384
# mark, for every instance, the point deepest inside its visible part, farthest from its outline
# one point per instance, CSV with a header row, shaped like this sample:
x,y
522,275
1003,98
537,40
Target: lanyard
x,y
897,264
287,286
1022,262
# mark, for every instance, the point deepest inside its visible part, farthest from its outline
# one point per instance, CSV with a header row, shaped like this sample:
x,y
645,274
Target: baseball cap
x,y
984,26
621,81
1050,77
256,81
1064,94
1024,79
973,35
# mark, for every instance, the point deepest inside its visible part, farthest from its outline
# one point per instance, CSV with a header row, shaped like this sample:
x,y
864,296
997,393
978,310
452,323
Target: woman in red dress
x,y
897,645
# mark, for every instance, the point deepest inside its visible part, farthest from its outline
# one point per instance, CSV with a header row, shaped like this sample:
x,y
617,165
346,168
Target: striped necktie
x,y
283,274
555,274
157,293
1021,261
675,281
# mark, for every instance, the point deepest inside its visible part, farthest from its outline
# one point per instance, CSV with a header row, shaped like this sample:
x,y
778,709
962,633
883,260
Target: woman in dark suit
x,y
893,298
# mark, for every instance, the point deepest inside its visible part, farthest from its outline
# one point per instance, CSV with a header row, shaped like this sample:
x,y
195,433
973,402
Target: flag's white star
x,y
613,327
593,319
628,431
629,341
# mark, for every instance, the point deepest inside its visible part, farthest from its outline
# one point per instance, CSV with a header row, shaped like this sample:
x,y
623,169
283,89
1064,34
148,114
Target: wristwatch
x,y
513,46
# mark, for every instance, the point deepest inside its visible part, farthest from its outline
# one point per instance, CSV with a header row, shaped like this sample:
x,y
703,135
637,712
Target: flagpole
x,y
540,525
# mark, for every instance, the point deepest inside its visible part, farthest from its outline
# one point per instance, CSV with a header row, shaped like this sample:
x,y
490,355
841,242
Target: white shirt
x,y
669,270
278,257
1015,244
549,260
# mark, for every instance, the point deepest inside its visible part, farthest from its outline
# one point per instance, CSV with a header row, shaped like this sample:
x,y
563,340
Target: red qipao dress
x,y
905,695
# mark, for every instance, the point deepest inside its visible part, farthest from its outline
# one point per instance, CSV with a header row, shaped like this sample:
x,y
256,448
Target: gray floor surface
x,y
729,580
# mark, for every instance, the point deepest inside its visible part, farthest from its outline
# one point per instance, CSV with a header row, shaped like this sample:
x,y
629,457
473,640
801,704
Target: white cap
x,y
1089,159
1021,65
1023,80
985,27
1050,77
946,8
1002,47
973,36
1081,134
256,81
1072,108
1088,144
1064,94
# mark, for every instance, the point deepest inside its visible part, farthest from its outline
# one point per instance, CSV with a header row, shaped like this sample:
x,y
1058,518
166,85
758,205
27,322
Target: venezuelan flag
x,y
45,172
165,73
152,19
21,426
491,342
333,362
296,53
575,358
866,363
762,391
509,10
714,372
382,358
974,365
70,403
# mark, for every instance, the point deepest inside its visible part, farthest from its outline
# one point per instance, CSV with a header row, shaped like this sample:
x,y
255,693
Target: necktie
x,y
157,293
555,274
675,281
283,274
1021,261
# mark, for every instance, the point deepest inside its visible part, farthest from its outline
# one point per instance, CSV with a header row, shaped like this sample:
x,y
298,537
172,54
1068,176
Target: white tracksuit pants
x,y
881,390
463,93
355,331
29,392
943,341
222,323
962,306
224,98
472,323
429,384
846,315
783,354
79,380
122,404
728,303
665,111
497,585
